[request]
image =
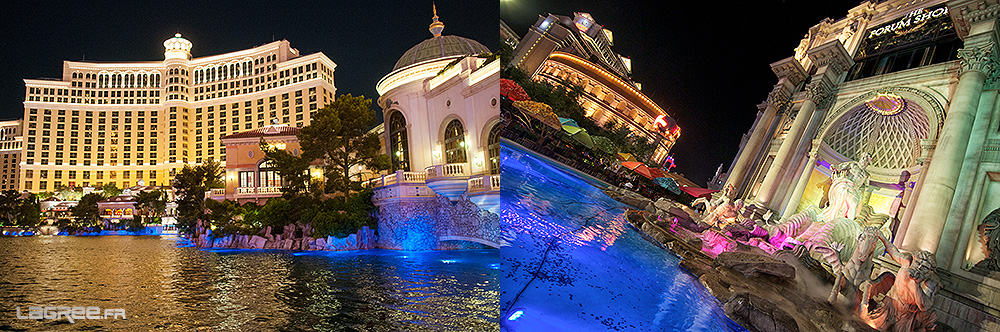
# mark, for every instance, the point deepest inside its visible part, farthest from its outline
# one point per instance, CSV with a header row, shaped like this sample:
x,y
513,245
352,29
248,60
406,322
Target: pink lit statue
x,y
909,294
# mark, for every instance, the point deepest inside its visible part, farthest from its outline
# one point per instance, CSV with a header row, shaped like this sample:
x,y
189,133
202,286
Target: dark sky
x,y
364,38
705,62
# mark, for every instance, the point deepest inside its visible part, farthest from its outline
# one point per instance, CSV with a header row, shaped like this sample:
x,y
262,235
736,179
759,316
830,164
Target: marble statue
x,y
856,273
989,235
909,294
850,180
722,211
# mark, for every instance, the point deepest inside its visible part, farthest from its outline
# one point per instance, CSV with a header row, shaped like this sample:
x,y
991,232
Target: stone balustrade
x,y
268,190
484,183
446,170
246,191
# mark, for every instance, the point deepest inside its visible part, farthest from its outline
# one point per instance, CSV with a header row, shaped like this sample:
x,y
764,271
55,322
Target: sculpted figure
x,y
909,293
850,179
722,211
856,273
989,236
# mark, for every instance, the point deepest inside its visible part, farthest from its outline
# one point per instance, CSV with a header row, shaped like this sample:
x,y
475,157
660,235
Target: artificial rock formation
x,y
438,223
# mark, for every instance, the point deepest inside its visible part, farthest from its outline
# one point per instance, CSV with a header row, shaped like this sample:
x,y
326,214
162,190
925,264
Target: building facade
x,y
577,50
249,178
120,122
11,140
912,85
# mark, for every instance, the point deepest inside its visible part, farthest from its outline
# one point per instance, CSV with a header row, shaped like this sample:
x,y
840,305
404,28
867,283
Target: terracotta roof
x,y
268,130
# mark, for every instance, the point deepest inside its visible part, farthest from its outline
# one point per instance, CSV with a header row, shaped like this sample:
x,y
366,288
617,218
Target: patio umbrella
x,y
570,122
638,168
540,111
657,173
699,192
668,183
584,138
512,91
625,156
572,130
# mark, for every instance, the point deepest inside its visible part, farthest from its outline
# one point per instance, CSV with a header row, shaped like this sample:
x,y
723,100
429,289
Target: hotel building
x,y
913,85
120,122
578,50
10,149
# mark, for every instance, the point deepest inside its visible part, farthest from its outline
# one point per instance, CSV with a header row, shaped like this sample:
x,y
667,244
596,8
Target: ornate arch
x,y
399,142
456,148
930,104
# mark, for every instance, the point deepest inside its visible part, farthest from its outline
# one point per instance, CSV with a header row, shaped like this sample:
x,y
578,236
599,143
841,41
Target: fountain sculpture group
x,y
847,235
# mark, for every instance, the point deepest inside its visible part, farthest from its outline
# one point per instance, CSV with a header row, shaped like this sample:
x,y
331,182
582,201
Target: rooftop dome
x,y
177,47
888,127
439,47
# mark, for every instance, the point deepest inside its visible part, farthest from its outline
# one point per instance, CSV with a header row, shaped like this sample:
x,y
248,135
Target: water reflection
x,y
165,287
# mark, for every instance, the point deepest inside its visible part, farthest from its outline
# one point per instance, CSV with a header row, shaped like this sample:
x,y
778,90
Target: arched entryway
x,y
454,143
398,142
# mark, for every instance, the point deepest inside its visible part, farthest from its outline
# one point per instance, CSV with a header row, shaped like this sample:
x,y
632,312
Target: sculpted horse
x,y
858,269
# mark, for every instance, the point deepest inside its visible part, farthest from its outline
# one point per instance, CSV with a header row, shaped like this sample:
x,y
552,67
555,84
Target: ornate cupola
x,y
436,27
177,48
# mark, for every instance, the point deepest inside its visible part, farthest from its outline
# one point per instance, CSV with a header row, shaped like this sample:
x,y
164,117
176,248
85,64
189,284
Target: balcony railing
x,y
446,170
389,179
484,183
245,190
268,190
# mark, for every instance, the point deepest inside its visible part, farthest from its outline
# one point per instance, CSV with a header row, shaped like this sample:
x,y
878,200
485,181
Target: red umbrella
x,y
657,173
512,91
638,168
698,192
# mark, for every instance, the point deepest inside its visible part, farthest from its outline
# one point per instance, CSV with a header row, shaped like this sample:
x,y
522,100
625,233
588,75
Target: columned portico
x,y
790,75
832,60
930,214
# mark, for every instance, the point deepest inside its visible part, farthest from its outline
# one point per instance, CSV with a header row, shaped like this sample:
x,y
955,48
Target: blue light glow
x,y
515,315
449,261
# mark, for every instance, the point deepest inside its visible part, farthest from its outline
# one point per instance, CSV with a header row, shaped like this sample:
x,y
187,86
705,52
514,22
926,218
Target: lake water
x,y
576,264
163,285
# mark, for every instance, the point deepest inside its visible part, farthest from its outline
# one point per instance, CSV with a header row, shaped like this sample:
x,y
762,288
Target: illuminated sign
x,y
911,21
583,23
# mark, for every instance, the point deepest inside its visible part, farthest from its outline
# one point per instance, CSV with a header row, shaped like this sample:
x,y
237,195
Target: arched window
x,y
493,148
268,175
454,142
398,143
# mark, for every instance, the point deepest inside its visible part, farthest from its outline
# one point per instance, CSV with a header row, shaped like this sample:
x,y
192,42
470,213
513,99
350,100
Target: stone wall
x,y
293,237
419,224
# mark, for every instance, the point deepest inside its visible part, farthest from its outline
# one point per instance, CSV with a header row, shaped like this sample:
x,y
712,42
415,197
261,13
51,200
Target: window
x,y
400,154
493,148
246,179
454,142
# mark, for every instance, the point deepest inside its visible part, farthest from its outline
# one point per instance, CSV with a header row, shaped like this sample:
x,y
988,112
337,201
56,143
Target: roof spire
x,y
436,26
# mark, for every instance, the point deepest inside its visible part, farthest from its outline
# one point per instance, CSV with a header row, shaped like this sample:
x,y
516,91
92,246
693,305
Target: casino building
x,y
578,50
912,84
121,122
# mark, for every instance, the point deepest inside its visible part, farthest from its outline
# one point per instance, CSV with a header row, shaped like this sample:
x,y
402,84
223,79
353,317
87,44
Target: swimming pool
x,y
575,264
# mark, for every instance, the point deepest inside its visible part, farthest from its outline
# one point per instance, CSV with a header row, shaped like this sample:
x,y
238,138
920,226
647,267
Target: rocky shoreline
x,y
291,238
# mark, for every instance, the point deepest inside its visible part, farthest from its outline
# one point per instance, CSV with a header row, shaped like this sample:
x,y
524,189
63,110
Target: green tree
x,y
339,135
190,186
225,217
150,205
85,212
8,206
111,190
27,212
294,171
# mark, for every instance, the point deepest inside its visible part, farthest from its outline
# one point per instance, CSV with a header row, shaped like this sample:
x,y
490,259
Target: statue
x,y
722,211
909,294
858,270
989,236
850,180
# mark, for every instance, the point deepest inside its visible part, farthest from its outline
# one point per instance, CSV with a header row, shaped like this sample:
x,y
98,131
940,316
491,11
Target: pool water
x,y
576,264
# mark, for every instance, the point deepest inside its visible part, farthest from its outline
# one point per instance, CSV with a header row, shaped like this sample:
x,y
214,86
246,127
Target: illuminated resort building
x,y
912,84
248,177
121,122
578,50
10,149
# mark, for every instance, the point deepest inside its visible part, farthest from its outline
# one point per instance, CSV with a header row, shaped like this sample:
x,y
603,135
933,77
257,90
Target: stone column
x,y
934,203
832,60
927,150
958,227
801,183
790,74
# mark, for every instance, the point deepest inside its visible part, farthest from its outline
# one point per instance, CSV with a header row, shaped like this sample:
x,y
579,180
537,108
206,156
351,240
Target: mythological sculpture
x,y
722,211
850,180
909,294
989,233
857,271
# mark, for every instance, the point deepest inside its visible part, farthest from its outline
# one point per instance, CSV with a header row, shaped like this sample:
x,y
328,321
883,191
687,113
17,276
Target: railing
x,y
484,183
219,192
445,170
389,179
268,190
246,190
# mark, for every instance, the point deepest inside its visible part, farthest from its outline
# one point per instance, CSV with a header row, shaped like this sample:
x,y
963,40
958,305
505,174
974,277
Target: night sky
x,y
364,38
706,63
